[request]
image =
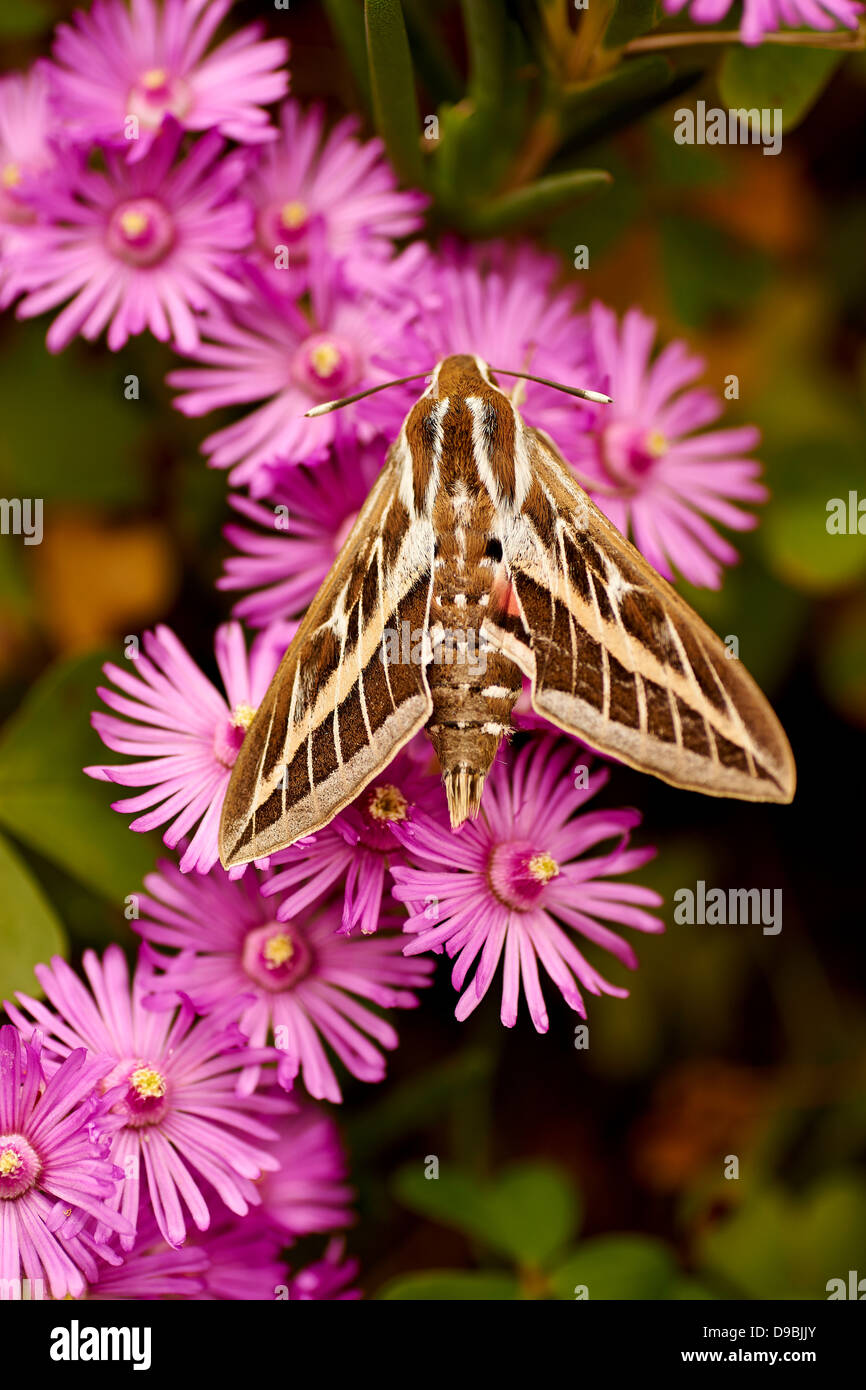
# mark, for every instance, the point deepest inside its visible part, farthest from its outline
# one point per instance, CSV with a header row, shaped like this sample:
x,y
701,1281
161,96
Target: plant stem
x,y
539,147
797,38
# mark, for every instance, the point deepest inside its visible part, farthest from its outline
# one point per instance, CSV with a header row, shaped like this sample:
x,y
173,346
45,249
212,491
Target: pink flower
x,y
359,844
147,246
517,880
56,1175
326,1278
26,160
659,474
309,1193
152,1269
300,531
336,191
244,1262
302,984
186,733
291,358
176,1111
761,17
120,71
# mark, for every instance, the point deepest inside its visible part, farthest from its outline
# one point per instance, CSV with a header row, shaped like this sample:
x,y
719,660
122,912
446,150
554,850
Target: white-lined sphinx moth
x,y
477,525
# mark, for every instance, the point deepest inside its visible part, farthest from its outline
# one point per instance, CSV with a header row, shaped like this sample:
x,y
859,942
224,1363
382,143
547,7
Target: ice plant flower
x,y
359,844
56,1175
308,987
519,882
300,530
176,1110
291,358
152,1269
336,189
26,159
327,1278
648,459
309,1192
503,304
119,71
147,246
184,731
762,17
243,1259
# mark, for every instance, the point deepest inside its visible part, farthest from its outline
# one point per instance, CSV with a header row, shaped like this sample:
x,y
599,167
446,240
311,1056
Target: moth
x,y
477,530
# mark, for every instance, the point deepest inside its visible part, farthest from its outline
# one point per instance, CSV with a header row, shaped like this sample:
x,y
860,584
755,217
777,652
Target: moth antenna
x,y
328,406
557,386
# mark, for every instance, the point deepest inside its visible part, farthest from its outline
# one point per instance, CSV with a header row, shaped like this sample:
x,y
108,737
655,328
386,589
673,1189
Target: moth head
x,y
459,375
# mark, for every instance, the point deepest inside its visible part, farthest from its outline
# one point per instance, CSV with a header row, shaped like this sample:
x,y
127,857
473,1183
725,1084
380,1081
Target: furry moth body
x,y
477,541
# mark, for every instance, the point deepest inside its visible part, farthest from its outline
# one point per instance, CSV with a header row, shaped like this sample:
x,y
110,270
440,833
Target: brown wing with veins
x,y
617,657
339,707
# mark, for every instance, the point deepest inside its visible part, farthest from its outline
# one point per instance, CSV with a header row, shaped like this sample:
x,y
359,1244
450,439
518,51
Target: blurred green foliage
x,y
529,1216
48,806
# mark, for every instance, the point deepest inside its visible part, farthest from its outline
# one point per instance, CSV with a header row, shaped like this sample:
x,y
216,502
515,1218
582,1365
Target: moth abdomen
x,y
473,694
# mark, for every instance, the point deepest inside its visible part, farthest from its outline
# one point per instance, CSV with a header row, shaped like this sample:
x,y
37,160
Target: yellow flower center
x,y
387,802
133,223
543,868
148,1083
242,716
11,1163
325,359
656,443
293,215
11,176
278,950
154,79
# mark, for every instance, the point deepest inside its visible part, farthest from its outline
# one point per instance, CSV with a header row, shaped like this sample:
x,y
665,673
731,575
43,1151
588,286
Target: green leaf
x,y
484,22
536,201
31,930
772,75
594,110
393,86
47,802
347,21
779,1246
527,1214
619,1266
454,1285
455,1198
631,18
532,1213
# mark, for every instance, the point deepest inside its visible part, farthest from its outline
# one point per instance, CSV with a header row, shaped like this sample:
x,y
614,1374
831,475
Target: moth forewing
x,y
336,712
617,657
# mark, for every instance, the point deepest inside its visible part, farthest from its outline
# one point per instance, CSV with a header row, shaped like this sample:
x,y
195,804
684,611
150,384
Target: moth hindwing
x,y
477,541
